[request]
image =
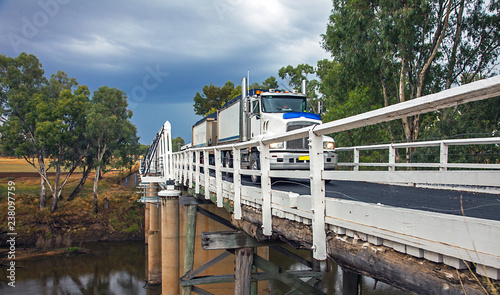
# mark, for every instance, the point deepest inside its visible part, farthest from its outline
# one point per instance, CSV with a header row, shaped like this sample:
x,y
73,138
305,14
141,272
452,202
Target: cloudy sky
x,y
162,52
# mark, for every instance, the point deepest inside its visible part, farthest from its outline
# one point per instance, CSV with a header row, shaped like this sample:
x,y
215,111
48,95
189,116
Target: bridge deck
x,y
478,205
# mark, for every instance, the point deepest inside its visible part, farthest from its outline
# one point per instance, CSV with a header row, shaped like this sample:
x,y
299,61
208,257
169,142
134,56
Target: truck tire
x,y
255,165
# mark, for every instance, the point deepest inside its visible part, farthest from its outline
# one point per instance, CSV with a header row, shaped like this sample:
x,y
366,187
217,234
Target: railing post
x,y
356,159
265,184
206,171
179,166
185,166
317,195
237,183
443,156
197,173
190,166
392,158
218,177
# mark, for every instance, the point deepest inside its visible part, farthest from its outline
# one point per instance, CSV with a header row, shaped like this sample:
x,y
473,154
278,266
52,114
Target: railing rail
x,y
150,153
312,208
159,155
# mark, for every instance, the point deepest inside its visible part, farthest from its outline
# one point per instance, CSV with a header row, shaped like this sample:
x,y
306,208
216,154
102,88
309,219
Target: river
x,y
120,268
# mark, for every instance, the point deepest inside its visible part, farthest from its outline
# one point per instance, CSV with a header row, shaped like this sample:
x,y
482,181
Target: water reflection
x,y
120,268
331,279
110,268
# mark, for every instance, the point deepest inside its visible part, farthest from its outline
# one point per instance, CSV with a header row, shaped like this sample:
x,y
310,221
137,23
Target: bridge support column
x,y
191,212
170,240
243,271
351,283
154,241
146,223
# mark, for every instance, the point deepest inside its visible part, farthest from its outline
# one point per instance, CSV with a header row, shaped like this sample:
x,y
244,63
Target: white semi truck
x,y
259,113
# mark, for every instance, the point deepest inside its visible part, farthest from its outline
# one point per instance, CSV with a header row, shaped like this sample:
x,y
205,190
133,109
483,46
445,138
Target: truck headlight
x,y
328,145
276,145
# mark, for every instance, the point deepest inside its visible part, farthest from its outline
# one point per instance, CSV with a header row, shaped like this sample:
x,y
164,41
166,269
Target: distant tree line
x,y
56,123
386,52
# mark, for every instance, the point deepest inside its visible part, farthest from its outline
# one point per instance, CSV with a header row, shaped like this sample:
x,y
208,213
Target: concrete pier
x,y
146,224
170,241
151,194
154,241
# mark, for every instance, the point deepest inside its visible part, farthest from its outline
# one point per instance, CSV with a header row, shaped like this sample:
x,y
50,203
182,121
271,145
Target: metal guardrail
x,y
159,156
316,204
151,153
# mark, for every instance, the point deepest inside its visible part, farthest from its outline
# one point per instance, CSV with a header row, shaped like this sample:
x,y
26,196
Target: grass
x,y
15,165
74,220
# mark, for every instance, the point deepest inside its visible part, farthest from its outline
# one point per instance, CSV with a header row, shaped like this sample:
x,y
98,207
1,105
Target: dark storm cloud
x,y
162,52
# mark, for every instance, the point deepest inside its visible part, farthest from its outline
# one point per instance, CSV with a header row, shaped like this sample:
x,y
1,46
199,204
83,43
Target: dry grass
x,y
15,165
74,220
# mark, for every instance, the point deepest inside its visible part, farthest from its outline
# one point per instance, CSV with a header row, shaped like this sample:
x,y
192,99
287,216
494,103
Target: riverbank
x,y
120,216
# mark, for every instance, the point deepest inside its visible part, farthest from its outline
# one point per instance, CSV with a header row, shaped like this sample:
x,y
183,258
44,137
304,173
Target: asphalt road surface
x,y
478,205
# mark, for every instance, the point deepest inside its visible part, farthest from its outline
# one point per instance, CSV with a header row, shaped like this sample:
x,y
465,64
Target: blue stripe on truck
x,y
229,138
295,115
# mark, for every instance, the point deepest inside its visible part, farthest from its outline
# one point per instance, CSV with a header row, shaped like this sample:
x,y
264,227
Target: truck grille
x,y
301,143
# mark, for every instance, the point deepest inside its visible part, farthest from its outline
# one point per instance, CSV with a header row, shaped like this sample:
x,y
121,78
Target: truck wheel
x,y
255,165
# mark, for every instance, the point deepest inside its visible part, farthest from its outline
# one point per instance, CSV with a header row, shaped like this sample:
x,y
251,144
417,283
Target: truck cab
x,y
275,112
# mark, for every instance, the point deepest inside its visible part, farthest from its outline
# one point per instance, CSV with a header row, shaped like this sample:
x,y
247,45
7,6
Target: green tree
x,y
270,83
177,143
293,76
213,98
405,49
50,129
109,129
45,120
21,78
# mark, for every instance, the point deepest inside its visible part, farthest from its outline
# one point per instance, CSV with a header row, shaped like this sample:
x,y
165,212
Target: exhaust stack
x,y
244,110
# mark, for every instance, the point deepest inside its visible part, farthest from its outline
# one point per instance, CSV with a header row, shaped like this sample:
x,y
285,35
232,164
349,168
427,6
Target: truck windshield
x,y
282,104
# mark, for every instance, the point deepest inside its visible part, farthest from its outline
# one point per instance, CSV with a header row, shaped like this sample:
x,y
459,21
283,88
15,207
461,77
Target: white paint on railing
x,y
218,177
237,183
318,195
437,236
265,184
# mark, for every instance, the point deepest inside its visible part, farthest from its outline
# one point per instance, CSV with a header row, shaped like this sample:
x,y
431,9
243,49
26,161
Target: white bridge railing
x,y
478,177
453,240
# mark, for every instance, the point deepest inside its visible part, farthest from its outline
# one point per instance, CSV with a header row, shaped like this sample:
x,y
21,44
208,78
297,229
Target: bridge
x,y
396,222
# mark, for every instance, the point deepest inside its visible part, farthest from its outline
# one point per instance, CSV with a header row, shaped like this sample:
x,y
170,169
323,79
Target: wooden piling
x,y
146,223
191,214
243,271
351,283
154,246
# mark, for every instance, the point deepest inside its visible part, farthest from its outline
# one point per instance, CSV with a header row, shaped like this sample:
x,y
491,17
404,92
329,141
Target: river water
x,y
120,268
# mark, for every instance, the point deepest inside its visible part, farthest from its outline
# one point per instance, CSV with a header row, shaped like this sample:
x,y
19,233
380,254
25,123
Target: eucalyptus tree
x,y
109,129
45,120
213,98
61,131
402,50
21,79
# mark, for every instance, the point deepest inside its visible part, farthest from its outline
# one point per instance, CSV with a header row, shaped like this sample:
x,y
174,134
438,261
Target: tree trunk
x,y
56,192
79,187
43,194
43,186
456,42
96,181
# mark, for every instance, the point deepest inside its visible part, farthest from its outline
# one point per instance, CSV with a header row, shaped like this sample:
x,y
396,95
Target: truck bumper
x,y
300,161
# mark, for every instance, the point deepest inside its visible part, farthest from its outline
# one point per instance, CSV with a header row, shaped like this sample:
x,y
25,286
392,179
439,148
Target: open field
x,y
15,165
12,164
73,220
